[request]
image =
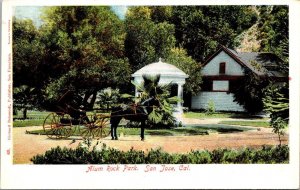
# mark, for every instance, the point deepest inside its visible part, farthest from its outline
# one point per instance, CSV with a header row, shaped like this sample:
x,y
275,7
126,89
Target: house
x,y
225,67
219,73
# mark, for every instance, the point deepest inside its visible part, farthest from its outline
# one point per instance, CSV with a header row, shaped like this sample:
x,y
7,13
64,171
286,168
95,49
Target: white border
x,y
279,176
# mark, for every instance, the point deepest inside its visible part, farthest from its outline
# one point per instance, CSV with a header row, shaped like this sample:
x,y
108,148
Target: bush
x,y
82,155
210,108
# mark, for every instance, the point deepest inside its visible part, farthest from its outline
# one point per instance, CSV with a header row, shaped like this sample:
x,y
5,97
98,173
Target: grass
x,y
203,115
32,115
28,122
247,123
35,118
189,130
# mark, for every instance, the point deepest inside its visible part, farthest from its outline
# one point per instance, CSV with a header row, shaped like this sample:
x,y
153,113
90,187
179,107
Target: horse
x,y
135,112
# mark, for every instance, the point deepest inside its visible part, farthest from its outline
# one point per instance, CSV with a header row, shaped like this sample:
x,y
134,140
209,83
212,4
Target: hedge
x,y
82,155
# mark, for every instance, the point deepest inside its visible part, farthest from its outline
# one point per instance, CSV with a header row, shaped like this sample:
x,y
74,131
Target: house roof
x,y
161,68
260,63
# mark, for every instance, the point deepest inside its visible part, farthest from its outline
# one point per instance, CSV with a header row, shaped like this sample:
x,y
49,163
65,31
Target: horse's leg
x,y
143,130
115,132
112,131
114,124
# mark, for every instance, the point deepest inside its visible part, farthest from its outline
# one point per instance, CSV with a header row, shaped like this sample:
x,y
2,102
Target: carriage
x,y
72,112
71,117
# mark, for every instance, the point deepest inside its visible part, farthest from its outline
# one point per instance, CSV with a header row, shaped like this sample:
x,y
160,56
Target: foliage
x,y
250,90
199,29
179,58
161,13
274,30
24,98
82,155
26,48
27,79
146,40
108,97
279,125
84,51
150,88
88,48
276,102
210,108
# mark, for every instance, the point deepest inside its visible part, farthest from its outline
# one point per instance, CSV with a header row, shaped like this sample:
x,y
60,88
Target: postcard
x,y
145,95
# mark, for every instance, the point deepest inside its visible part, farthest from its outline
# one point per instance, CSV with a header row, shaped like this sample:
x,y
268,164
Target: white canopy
x,y
168,73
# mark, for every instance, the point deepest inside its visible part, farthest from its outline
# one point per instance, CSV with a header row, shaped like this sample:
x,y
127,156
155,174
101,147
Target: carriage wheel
x,y
57,126
101,125
94,126
86,127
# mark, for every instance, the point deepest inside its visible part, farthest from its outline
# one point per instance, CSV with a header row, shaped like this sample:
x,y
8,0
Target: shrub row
x,y
82,155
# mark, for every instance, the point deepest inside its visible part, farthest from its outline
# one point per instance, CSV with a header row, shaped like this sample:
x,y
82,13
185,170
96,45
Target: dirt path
x,y
25,146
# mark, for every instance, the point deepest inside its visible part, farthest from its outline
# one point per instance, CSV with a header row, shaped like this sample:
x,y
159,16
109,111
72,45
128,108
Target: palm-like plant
x,y
162,114
108,97
24,98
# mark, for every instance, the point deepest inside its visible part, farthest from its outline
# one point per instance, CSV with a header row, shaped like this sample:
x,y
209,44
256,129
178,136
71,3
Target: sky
x,y
34,12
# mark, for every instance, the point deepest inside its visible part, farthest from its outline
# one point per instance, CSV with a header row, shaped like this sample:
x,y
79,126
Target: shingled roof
x,y
259,62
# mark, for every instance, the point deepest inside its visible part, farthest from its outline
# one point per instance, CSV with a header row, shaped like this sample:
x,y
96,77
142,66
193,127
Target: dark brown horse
x,y
135,112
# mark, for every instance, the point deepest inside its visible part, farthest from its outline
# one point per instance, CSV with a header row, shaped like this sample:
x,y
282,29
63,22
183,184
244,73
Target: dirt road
x,y
25,146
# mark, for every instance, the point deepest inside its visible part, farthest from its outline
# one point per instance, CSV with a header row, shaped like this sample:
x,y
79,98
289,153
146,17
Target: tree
x,y
276,102
146,40
161,13
24,98
274,29
179,58
274,32
249,91
27,60
199,29
84,52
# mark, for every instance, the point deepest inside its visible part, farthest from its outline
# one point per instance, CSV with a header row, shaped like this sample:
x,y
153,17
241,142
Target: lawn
x,y
35,118
188,130
203,115
32,114
247,123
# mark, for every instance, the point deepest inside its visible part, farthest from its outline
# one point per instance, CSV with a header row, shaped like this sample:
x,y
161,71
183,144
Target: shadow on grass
x,y
186,131
244,116
160,133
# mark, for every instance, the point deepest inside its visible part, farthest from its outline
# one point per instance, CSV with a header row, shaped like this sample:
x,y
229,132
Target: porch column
x,y
180,97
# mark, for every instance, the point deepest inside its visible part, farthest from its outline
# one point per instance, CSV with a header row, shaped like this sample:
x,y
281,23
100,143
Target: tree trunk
x,y
279,139
25,113
15,111
89,105
93,99
85,99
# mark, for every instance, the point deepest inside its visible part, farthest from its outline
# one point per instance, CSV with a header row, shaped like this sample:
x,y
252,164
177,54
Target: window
x,y
221,85
222,68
